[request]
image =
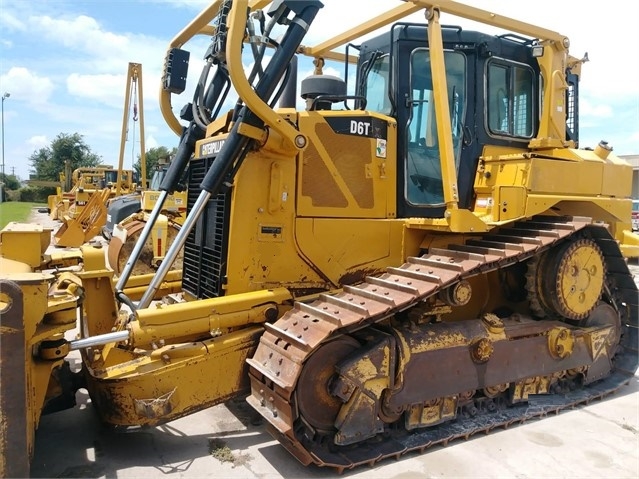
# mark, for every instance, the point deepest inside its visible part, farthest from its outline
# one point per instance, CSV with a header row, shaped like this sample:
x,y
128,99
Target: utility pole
x,y
5,95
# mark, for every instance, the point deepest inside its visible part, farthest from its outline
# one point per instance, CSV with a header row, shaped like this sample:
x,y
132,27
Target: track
x,y
286,345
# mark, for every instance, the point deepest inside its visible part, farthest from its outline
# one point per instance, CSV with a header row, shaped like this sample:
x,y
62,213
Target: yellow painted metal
x,y
10,266
138,284
442,113
25,243
126,234
535,182
86,183
553,64
361,248
580,278
561,342
174,204
75,231
48,310
346,176
325,49
159,238
198,26
263,218
311,220
173,380
133,78
490,18
172,377
458,221
236,26
210,317
99,306
552,125
262,221
629,243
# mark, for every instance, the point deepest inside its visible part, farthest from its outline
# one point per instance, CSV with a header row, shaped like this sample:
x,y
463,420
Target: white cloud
x,y
10,21
99,50
151,142
37,142
84,53
105,88
26,85
587,109
81,33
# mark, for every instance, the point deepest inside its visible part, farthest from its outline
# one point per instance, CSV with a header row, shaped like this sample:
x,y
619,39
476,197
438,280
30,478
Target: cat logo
x,y
212,148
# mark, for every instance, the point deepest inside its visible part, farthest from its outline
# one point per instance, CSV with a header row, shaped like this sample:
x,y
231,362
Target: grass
x,y
16,211
219,450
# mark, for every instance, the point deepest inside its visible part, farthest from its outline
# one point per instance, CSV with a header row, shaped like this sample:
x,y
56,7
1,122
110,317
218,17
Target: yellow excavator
x,y
398,263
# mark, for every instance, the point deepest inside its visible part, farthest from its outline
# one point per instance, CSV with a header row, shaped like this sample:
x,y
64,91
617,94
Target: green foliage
x,y
153,157
49,162
34,194
14,211
10,182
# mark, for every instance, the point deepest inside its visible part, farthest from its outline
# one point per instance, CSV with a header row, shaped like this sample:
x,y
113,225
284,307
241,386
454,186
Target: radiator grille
x,y
205,250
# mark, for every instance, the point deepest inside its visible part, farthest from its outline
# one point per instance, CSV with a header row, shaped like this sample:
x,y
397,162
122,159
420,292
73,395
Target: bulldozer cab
x,y
492,95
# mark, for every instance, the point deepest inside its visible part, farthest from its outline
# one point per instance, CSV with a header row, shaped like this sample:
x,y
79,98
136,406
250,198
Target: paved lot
x,y
600,440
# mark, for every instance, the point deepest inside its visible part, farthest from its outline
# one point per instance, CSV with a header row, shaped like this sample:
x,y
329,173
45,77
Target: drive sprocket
x,y
567,281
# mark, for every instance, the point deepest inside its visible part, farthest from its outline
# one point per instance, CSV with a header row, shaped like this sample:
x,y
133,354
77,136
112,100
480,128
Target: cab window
x,y
510,99
377,85
423,167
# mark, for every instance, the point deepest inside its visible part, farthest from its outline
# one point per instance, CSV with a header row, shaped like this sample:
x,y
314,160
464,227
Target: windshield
x,y
423,168
377,85
111,176
158,175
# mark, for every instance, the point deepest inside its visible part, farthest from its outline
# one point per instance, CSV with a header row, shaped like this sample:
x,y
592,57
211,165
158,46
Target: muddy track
x,y
285,346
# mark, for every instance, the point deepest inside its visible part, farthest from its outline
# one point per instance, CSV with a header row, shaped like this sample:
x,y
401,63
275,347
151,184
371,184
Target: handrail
x,y
554,58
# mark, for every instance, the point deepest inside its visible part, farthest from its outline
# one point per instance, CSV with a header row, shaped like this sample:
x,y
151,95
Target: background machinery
x,y
126,217
127,214
383,271
84,210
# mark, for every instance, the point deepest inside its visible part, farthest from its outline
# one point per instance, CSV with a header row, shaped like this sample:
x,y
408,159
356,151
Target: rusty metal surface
x,y
284,348
14,424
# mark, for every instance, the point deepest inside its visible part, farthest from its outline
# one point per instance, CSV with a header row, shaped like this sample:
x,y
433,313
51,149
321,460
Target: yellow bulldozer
x,y
395,264
75,188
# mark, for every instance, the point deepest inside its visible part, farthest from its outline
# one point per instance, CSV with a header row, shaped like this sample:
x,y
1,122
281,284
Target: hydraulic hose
x,y
168,185
235,148
213,99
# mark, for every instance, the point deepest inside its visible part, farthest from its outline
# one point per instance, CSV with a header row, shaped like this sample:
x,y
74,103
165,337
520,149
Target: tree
x,y
153,157
49,162
10,182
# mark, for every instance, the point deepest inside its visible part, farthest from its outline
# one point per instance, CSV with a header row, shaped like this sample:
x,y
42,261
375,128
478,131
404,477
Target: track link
x,y
286,344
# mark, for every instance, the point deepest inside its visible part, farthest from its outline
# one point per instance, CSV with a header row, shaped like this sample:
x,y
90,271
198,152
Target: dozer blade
x,y
14,438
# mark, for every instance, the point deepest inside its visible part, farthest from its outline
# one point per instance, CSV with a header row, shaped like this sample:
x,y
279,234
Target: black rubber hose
x,y
235,146
184,151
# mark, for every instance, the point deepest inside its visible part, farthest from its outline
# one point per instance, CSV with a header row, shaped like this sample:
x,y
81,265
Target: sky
x,y
64,64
